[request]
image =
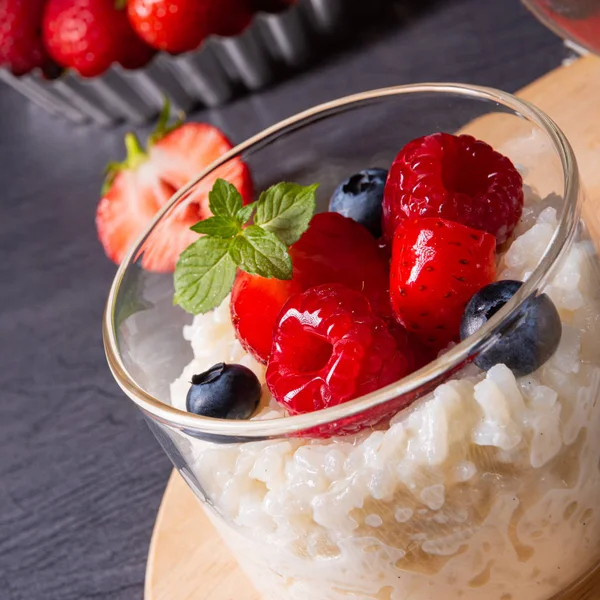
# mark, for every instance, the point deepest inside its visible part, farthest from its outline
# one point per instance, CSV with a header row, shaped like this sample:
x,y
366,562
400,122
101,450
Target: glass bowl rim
x,y
261,429
555,27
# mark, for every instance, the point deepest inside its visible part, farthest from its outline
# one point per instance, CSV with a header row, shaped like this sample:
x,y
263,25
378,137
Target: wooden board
x,y
187,560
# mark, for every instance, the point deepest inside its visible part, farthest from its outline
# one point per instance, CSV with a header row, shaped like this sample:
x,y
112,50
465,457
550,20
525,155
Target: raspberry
x,y
457,178
334,249
329,347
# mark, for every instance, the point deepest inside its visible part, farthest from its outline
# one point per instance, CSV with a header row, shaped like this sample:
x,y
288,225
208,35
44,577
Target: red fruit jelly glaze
x,y
334,249
437,266
455,177
329,347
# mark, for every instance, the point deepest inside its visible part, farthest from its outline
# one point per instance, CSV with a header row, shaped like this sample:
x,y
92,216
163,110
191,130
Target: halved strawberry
x,y
334,249
437,266
142,184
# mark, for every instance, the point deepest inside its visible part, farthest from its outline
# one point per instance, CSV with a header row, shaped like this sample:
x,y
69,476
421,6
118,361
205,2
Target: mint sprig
x,y
204,275
206,269
286,210
224,200
260,252
222,227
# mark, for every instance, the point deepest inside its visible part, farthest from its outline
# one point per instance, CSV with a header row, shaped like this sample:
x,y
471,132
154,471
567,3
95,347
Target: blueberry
x,y
528,342
224,392
360,198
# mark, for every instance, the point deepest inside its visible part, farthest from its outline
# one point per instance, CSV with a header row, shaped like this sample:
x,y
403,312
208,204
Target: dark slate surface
x,y
81,477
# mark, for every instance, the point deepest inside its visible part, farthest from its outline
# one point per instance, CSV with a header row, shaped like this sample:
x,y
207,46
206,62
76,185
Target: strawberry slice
x,y
437,266
334,249
142,184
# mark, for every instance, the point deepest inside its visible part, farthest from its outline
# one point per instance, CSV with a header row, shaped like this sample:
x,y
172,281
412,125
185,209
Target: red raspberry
x,y
455,177
334,249
328,348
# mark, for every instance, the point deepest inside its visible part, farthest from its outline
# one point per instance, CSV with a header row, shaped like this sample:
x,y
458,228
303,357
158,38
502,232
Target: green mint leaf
x,y
261,252
221,227
204,275
224,200
286,209
243,215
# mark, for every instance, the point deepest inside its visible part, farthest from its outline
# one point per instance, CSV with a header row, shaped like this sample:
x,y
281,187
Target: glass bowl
x,y
575,20
486,486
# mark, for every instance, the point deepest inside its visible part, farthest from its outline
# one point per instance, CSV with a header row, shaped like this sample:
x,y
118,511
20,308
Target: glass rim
x,y
555,27
432,372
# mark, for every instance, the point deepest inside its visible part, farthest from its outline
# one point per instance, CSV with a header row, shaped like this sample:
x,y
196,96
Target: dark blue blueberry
x,y
224,392
528,342
360,198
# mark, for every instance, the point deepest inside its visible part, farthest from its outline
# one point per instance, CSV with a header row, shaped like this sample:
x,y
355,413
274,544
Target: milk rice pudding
x,y
485,488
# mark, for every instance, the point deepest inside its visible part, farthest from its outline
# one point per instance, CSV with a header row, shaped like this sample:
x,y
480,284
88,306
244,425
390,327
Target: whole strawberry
x,y
177,26
457,178
437,266
21,47
90,35
137,188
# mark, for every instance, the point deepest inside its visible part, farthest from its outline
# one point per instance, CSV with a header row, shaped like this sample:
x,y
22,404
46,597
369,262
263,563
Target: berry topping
x,y
360,198
334,249
528,341
224,392
437,266
21,48
329,347
457,178
90,35
139,186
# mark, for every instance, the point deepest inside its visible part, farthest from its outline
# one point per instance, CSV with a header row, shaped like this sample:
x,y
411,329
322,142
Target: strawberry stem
x,y
162,126
136,155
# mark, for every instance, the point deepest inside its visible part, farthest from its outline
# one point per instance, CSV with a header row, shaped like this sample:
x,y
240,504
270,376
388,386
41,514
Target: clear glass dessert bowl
x,y
486,486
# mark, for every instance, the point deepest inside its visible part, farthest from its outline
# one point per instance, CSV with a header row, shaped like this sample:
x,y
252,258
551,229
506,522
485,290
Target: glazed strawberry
x,y
90,35
21,48
457,178
333,249
437,266
144,182
329,347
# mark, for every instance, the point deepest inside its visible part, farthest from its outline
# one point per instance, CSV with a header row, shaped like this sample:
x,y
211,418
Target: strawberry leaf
x,y
224,200
204,275
261,252
221,227
136,155
286,209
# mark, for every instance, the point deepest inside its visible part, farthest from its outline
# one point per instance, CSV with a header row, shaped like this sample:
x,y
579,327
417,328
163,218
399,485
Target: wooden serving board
x,y
187,560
